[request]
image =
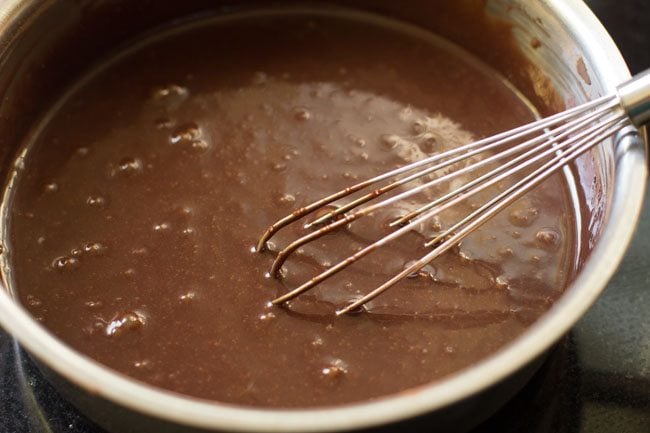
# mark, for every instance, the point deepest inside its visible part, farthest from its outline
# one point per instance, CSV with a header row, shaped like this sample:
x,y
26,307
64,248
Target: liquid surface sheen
x,y
137,201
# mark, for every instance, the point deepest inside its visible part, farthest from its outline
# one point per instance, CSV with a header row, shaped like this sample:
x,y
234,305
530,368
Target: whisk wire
x,y
473,149
560,151
546,139
585,136
538,144
509,135
480,220
528,154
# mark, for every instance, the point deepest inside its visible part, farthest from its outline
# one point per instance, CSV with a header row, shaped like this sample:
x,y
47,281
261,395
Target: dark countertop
x,y
597,380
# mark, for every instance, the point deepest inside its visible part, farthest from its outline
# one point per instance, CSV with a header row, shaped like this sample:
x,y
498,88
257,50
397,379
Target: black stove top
x,y
596,380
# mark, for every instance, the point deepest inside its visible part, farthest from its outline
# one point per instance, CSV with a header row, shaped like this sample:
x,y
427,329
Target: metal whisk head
x,y
529,154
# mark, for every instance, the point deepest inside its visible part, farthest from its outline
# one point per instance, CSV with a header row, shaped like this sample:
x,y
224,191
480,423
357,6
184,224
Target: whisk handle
x,y
635,98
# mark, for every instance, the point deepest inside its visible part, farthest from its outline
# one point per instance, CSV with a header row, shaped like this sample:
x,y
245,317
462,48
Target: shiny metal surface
x,y
635,98
570,33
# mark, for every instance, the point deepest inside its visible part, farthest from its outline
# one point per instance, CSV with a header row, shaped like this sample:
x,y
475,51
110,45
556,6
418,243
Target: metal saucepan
x,y
44,44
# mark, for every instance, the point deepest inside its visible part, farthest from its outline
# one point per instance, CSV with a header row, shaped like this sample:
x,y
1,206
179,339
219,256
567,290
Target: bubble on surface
x,y
128,166
66,264
169,92
93,304
548,238
390,141
162,227
301,114
51,187
185,210
523,217
358,141
33,301
125,322
287,198
419,126
187,297
449,350
199,145
96,201
279,166
428,143
190,135
505,252
96,249
186,132
265,317
334,371
145,364
501,282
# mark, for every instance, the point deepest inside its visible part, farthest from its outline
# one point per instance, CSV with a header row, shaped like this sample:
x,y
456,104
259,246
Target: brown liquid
x,y
132,221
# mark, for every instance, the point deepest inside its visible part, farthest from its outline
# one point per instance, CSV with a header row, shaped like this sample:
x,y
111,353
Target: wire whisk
x,y
530,154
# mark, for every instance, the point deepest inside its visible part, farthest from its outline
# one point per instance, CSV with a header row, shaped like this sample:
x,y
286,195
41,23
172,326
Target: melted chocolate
x,y
138,199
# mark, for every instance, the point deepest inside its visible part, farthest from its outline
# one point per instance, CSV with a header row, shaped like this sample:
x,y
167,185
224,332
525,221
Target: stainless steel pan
x,y
44,44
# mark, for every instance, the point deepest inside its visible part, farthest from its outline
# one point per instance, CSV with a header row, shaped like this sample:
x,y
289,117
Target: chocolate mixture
x,y
136,203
